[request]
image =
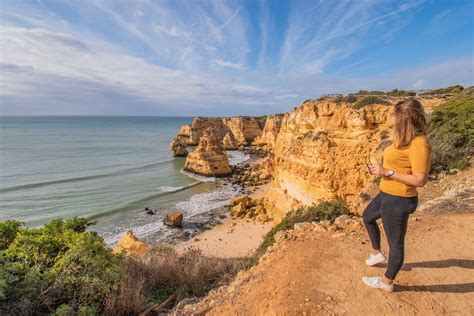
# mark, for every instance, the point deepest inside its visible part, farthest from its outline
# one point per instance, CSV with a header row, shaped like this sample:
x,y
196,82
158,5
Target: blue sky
x,y
218,58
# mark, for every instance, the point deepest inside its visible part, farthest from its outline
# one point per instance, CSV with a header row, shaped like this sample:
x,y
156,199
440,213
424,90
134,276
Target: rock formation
x,y
178,147
250,208
229,142
244,128
316,151
131,245
173,219
320,153
270,131
209,158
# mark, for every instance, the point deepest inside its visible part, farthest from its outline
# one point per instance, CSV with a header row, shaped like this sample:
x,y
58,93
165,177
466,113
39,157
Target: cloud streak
x,y
203,57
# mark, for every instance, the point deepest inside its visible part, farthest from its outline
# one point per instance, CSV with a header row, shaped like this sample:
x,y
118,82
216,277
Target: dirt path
x,y
317,271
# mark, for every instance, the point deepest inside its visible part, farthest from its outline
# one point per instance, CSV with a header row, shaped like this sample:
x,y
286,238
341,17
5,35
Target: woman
x,y
406,163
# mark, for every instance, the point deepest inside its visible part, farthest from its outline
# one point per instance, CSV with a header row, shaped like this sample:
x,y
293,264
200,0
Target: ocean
x,y
106,169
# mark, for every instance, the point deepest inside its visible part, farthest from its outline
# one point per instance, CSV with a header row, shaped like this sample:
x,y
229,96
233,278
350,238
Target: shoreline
x,y
231,238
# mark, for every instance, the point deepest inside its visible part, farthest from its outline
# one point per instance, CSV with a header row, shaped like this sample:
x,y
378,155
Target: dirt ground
x,y
314,271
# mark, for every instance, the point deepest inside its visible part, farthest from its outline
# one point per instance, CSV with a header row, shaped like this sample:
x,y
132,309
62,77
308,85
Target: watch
x,y
390,173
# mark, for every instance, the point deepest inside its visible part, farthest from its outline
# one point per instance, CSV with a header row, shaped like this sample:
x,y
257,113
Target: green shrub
x,y
350,98
449,90
369,100
58,265
365,92
8,230
325,210
452,132
401,93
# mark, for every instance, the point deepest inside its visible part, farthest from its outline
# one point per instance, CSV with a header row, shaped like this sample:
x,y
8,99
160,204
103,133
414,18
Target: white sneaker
x,y
374,259
376,283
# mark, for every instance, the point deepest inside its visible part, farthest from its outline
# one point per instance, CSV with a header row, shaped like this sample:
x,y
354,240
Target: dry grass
x,y
163,272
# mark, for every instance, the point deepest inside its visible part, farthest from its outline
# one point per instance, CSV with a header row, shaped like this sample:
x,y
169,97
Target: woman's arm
x,y
417,179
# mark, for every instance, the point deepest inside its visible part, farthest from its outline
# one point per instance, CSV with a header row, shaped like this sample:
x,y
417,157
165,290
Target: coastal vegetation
x,y
448,90
63,269
452,132
324,210
369,100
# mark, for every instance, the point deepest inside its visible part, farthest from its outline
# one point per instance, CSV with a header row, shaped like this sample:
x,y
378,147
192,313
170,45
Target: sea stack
x,y
209,158
179,147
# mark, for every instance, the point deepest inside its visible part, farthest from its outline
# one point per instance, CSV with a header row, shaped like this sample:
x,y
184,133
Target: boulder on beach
x,y
131,245
173,219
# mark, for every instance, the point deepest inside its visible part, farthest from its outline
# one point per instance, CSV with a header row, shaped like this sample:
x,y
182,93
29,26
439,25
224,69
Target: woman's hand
x,y
377,170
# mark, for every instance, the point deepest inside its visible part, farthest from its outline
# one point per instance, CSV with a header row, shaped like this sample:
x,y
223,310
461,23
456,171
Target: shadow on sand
x,y
441,288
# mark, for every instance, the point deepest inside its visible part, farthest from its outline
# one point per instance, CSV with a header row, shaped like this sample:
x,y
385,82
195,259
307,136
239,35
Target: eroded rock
x,y
209,158
173,219
131,245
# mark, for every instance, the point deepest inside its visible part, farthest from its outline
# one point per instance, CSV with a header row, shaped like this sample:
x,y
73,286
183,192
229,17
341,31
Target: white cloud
x,y
286,96
229,64
419,84
248,89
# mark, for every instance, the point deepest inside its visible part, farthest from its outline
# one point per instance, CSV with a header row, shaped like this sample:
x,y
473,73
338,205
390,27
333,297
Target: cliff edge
x,y
317,268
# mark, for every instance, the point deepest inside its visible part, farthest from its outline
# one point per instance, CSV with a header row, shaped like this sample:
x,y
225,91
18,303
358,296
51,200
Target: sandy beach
x,y
233,237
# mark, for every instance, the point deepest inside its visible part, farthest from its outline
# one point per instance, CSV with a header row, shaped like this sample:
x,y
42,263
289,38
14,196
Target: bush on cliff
x,y
62,269
452,132
165,272
401,93
324,210
369,100
448,90
365,92
57,266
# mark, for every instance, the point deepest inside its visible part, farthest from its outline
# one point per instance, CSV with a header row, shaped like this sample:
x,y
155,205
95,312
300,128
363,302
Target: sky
x,y
223,58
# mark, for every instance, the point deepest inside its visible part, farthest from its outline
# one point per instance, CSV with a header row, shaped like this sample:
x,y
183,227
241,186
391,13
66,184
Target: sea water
x,y
103,168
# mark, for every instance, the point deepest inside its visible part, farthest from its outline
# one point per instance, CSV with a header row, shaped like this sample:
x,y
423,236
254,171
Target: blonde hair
x,y
410,121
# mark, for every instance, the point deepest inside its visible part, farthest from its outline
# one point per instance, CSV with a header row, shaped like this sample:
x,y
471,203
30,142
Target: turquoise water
x,y
104,168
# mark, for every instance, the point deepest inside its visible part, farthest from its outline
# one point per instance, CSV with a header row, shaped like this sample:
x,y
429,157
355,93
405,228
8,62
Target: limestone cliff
x,y
229,141
320,153
318,150
270,131
242,130
209,158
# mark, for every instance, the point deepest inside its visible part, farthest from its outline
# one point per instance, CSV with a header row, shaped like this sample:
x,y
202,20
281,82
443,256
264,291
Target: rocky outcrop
x,y
242,130
229,142
250,208
173,219
131,245
270,131
320,153
209,158
256,173
178,147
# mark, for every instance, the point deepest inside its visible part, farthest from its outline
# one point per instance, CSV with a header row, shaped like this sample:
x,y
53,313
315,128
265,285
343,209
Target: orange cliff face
x,y
318,150
242,130
270,131
320,153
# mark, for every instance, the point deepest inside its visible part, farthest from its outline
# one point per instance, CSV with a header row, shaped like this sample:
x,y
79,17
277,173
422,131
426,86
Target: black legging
x,y
394,211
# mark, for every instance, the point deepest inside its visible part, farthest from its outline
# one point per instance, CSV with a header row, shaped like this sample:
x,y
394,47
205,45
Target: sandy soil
x,y
232,238
318,272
